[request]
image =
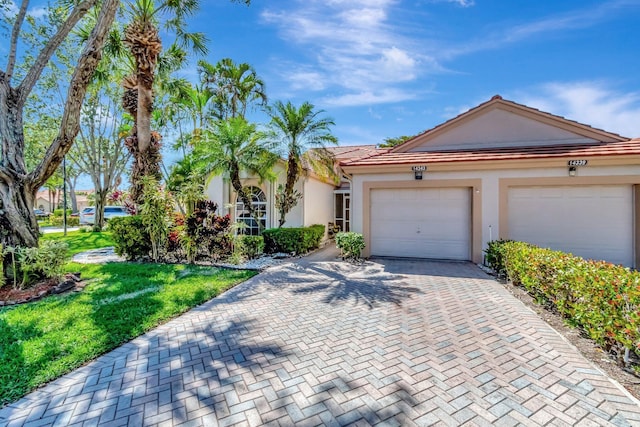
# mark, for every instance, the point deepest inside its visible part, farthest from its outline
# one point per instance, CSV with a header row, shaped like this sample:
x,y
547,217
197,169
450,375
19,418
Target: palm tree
x,y
232,146
304,136
141,37
236,87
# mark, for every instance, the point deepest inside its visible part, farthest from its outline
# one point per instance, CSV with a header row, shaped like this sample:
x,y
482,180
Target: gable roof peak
x,y
497,101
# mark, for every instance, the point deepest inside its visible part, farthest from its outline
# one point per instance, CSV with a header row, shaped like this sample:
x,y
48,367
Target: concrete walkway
x,y
329,343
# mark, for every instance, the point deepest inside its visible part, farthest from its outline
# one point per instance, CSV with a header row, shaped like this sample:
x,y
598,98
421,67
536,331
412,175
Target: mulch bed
x,y
11,296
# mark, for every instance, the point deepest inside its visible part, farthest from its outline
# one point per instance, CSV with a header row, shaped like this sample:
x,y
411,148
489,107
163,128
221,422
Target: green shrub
x,y
599,297
57,213
350,244
250,246
297,240
30,265
495,256
58,221
130,237
154,212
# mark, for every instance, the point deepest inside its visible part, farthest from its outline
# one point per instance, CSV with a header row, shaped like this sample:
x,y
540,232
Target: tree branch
x,y
47,52
15,33
70,123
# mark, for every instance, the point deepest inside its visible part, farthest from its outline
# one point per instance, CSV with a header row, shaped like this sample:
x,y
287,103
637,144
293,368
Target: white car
x,y
88,215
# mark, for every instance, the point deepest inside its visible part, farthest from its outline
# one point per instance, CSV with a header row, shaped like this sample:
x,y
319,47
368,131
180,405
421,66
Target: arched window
x,y
259,203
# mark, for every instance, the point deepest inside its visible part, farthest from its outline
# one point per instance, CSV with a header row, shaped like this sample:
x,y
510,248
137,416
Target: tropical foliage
x,y
303,136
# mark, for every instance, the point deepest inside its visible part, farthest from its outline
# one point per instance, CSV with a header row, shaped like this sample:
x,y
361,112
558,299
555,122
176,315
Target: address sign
x,y
577,163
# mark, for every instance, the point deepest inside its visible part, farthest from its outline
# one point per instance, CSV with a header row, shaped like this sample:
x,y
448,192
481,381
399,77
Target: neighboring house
x,y
48,202
322,202
500,170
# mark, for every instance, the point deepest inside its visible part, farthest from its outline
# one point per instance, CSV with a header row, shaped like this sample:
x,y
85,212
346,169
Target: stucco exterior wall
x,y
318,202
214,191
489,189
308,210
295,217
514,130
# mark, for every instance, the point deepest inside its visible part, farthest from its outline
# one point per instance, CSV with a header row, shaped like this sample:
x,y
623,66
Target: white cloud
x,y
396,64
579,18
38,12
374,114
11,9
463,3
353,48
382,96
304,79
592,103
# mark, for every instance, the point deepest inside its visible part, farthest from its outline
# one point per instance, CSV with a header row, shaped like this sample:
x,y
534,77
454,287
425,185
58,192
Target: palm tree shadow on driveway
x,y
341,282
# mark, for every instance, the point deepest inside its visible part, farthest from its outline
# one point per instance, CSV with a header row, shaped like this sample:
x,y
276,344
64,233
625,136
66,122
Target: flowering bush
x,y
206,232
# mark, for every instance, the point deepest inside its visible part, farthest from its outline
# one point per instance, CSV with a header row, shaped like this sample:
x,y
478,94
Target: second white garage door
x,y
594,221
421,223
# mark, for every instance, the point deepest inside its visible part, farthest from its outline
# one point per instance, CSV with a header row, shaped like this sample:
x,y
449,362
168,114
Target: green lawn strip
x,y
43,340
82,241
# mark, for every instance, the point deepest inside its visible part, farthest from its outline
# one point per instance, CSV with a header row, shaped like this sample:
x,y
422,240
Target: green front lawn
x,y
82,241
43,340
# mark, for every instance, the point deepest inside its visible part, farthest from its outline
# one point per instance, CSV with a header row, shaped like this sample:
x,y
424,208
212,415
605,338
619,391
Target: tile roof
x,y
630,147
349,152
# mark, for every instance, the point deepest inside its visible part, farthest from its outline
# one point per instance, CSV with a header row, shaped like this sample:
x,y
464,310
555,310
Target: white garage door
x,y
421,223
593,222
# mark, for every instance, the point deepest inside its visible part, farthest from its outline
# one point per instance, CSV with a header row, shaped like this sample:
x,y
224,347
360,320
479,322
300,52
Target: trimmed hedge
x,y
58,221
250,246
297,240
130,238
600,297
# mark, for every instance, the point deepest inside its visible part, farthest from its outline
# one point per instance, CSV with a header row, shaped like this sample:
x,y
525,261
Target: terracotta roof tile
x,y
630,147
350,152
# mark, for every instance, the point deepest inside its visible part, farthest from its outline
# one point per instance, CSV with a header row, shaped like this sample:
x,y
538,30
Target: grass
x,y
81,241
43,340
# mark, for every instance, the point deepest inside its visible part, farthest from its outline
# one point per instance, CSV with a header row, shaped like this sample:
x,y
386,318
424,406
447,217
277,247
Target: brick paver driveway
x,y
327,343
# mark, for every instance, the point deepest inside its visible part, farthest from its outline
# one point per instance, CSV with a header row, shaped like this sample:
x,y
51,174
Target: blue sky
x,y
385,68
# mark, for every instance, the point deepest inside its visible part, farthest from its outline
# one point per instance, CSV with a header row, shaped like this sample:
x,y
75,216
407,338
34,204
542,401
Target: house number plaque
x,y
577,163
418,168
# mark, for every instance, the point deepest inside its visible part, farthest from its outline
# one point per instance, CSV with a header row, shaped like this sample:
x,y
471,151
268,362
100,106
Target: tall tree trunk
x,y
18,224
101,201
292,177
71,183
17,220
145,45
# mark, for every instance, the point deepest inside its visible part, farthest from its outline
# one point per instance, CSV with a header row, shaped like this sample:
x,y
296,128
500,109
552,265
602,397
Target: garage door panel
x,y
589,221
421,223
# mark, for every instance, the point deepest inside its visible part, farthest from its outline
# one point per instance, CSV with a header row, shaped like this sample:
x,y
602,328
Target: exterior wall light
x,y
417,171
573,166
